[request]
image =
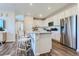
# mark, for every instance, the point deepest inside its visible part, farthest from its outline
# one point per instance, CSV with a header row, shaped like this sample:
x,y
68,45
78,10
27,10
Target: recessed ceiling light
x,y
49,8
40,15
31,4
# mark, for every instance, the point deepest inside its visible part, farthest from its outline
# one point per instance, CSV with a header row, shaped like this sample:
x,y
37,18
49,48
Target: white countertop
x,y
42,32
2,31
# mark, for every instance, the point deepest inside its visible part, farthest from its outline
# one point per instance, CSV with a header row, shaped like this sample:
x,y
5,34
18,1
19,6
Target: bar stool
x,y
22,45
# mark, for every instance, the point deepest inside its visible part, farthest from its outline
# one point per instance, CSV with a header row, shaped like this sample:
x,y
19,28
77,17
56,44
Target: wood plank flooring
x,y
60,50
9,49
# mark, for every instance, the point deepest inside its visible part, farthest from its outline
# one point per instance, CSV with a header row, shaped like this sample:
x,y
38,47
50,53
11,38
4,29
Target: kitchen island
x,y
40,42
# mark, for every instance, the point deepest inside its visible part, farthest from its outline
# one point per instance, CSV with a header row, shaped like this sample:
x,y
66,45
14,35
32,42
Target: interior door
x,y
19,28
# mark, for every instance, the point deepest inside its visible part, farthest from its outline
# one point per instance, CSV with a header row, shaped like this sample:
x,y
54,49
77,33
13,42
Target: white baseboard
x,y
77,50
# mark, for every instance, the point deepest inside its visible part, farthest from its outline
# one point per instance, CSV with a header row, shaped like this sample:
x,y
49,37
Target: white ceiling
x,y
33,10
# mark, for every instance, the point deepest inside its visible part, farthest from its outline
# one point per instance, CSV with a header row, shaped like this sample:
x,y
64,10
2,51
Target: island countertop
x,y
37,32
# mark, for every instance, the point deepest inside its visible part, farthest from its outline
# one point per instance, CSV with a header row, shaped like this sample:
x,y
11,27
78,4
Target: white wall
x,y
28,23
56,19
10,25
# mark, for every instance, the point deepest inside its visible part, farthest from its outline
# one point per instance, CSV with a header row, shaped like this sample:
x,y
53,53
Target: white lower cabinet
x,y
41,43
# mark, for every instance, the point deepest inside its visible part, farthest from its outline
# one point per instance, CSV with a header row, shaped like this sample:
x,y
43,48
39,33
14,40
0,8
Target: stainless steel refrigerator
x,y
68,27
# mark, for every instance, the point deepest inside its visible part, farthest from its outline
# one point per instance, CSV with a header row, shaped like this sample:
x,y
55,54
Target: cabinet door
x,y
45,43
37,44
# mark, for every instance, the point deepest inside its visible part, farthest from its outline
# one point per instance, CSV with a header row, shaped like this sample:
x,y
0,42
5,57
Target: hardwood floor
x,y
9,49
60,50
